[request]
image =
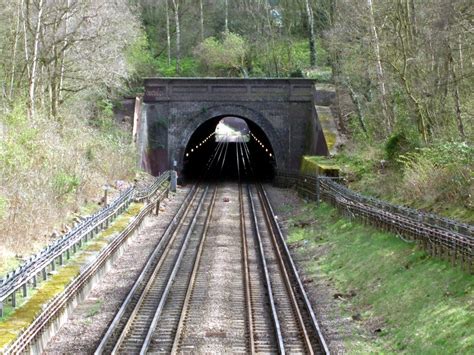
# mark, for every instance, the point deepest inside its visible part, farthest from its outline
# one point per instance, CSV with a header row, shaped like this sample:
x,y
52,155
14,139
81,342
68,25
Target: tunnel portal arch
x,y
284,109
253,117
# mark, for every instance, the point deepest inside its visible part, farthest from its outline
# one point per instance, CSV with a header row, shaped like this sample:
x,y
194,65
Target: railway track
x,y
220,280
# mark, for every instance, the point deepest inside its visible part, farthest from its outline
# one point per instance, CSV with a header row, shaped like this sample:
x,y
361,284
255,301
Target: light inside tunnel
x,y
229,147
232,130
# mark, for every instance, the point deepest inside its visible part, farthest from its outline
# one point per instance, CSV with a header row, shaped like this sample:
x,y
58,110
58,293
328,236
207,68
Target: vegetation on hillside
x,y
403,85
232,38
436,178
62,64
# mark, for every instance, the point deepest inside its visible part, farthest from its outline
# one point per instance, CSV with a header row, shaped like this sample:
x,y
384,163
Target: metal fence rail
x,y
53,255
443,237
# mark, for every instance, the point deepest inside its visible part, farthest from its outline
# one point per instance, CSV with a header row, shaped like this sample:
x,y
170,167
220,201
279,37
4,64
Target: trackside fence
x,y
439,236
38,266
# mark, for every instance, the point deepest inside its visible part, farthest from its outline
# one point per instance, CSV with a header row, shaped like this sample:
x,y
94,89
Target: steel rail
x,y
57,304
276,322
150,280
171,278
180,214
246,268
280,240
192,279
283,270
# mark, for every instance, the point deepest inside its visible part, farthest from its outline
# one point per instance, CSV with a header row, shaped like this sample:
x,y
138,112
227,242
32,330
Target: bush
x,y
64,183
323,76
225,57
3,207
439,173
396,145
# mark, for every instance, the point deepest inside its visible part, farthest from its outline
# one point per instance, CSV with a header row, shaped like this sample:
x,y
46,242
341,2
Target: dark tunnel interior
x,y
242,152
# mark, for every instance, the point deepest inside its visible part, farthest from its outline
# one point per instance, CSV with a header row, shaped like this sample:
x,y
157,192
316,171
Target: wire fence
x,y
441,237
37,267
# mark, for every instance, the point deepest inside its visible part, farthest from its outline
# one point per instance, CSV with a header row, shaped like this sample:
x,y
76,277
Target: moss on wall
x,y
319,166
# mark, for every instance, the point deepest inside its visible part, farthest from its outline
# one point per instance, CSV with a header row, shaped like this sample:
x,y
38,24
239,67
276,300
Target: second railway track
x,y
220,280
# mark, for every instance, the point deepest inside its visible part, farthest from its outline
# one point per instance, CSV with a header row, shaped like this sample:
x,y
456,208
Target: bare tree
x,y
379,68
15,48
201,17
311,35
457,96
168,35
35,60
178,35
226,20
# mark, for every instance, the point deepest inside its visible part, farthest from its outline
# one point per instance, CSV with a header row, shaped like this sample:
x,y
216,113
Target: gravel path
x,y
84,329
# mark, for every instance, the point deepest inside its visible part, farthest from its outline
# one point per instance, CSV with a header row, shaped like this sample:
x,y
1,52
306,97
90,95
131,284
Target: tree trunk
x,y
456,96
59,95
15,47
414,22
35,60
356,102
226,21
201,13
168,35
178,35
461,58
379,68
311,35
25,15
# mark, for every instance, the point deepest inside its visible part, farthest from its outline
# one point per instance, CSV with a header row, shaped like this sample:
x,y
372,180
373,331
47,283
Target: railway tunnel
x,y
231,148
177,125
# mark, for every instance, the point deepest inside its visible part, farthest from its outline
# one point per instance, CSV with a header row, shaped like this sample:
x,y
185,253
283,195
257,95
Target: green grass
x,y
8,264
422,305
95,308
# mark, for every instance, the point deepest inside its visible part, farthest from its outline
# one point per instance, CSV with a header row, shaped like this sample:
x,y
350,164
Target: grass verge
x,y
401,299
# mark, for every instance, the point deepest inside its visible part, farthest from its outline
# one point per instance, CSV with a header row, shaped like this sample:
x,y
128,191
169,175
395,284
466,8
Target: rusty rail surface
x,y
53,254
442,237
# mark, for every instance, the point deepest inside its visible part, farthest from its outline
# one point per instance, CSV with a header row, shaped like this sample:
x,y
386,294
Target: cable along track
x,y
214,288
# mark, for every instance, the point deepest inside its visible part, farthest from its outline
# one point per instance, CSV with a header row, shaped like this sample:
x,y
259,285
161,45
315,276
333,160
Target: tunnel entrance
x,y
229,148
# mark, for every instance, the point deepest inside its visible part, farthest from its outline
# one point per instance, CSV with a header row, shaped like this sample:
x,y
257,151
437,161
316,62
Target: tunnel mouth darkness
x,y
229,148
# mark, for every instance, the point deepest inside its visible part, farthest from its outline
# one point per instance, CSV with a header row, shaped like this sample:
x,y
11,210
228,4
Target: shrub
x,y
397,144
441,172
321,75
223,57
64,183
